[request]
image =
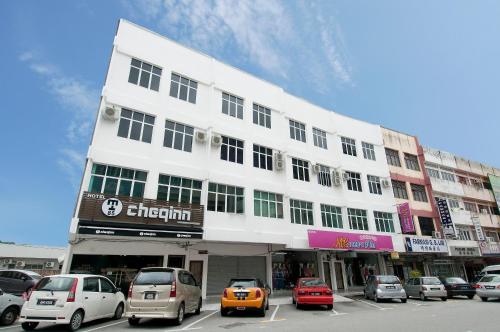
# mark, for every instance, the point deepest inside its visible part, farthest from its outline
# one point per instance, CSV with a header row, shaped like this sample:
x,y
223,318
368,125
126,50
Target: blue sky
x,y
429,68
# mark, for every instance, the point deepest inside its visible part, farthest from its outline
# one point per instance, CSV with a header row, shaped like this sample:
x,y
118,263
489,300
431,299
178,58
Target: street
x,y
454,315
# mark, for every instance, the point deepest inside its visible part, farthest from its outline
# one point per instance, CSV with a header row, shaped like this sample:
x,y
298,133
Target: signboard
x,y
478,228
349,241
424,244
464,251
394,255
444,213
102,214
495,186
489,248
404,212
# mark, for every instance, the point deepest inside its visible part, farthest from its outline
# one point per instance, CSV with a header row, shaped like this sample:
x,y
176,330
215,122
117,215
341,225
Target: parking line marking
x,y
9,327
190,329
274,313
199,320
336,313
104,326
374,305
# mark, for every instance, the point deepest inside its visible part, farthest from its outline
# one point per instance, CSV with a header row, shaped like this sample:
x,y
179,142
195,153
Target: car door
x,y
91,298
408,287
187,291
108,298
194,289
369,291
3,281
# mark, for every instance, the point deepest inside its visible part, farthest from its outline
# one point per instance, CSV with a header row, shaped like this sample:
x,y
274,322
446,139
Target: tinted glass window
x,y
490,279
312,283
91,285
106,286
155,277
493,272
388,280
57,284
431,281
190,280
455,281
242,283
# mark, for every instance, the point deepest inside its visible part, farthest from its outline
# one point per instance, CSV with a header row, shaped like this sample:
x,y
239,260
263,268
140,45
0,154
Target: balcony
x,y
461,217
447,187
482,194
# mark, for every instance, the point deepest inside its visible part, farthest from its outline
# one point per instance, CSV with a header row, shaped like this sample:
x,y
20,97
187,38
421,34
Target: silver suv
x,y
384,287
162,292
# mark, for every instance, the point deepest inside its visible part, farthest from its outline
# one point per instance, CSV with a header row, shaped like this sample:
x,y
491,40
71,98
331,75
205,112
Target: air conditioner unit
x,y
20,263
279,161
200,136
111,113
316,168
386,183
279,156
216,140
345,176
49,265
336,181
436,235
10,261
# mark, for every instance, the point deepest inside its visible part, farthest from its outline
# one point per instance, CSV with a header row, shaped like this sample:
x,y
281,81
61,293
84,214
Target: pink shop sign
x,y
349,241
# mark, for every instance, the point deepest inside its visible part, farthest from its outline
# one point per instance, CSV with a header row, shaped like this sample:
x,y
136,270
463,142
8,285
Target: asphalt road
x,y
454,315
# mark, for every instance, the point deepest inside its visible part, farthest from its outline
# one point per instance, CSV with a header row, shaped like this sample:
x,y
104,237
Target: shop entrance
x,y
176,261
288,266
339,275
359,266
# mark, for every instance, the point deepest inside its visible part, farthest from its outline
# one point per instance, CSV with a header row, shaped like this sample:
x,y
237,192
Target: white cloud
x,y
71,162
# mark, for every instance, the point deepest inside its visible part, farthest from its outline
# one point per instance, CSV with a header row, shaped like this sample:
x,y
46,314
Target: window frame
x,y
331,216
304,209
384,222
261,115
374,184
319,138
264,199
324,176
262,155
297,130
137,179
357,219
354,182
231,145
400,189
300,169
189,86
368,151
237,195
229,100
348,146
177,186
419,192
186,135
154,74
412,162
393,157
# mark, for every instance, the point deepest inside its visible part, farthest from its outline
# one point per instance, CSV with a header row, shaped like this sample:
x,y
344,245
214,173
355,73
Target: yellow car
x,y
245,294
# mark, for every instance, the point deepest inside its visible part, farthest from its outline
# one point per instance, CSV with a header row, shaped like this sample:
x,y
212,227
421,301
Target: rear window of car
x,y
490,279
431,281
34,275
455,281
493,272
312,283
242,283
388,280
55,284
155,277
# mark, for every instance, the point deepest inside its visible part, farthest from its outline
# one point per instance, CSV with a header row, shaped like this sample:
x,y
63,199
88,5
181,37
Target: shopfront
x,y
288,266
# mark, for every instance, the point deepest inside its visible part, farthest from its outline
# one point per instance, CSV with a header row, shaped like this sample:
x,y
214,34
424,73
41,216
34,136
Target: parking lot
x,y
357,315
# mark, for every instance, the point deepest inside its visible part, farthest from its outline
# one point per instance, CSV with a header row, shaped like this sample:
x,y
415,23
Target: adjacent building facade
x,y
40,259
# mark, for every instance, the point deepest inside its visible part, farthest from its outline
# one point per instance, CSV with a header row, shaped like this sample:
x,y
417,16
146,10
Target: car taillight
x,y
173,289
130,290
498,286
328,292
476,286
258,293
72,291
27,295
225,293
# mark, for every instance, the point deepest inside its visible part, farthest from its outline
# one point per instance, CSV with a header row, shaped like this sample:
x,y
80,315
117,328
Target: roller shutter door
x,y
223,268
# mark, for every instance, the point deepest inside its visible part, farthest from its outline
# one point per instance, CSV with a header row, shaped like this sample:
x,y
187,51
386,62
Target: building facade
x,y
199,165
41,259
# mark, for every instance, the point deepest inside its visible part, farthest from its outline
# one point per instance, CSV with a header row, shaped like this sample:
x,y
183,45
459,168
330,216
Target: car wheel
x,y
423,297
484,299
267,304
9,316
180,315
118,312
262,310
76,320
470,297
198,309
375,298
133,321
444,298
224,312
29,326
404,300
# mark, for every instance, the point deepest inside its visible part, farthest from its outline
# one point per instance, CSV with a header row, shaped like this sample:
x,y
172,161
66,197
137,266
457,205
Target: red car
x,y
312,291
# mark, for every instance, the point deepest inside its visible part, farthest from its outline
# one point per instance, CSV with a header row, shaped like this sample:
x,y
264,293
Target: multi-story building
x,y
466,188
40,259
420,223
196,164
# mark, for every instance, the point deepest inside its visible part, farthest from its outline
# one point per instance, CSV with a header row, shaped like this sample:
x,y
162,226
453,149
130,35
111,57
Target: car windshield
x,y
455,281
431,281
312,283
55,284
155,277
242,283
490,278
388,280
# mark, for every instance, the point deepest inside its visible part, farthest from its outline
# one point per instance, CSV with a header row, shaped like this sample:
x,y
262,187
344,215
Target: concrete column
x,y
269,269
68,258
165,260
321,271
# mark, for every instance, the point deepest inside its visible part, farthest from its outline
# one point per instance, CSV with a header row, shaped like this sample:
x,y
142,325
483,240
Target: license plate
x,y
390,287
315,294
489,287
435,288
149,296
240,308
46,302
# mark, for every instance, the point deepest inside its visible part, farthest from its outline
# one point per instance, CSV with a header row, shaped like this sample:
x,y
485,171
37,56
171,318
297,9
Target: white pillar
x,y
269,269
68,258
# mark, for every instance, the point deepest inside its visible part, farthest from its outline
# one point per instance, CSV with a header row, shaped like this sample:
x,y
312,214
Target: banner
x,y
349,241
446,221
495,186
404,212
424,244
489,248
478,228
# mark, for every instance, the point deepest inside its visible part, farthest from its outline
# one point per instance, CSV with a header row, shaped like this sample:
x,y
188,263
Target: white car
x,y
10,306
488,286
71,299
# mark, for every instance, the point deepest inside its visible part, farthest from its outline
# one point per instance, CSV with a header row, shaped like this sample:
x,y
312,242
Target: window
x,y
418,192
223,198
483,209
231,150
106,286
463,180
392,157
331,216
91,285
348,146
464,234
324,176
319,138
412,162
113,180
426,226
368,150
453,203
176,189
297,131
399,189
178,136
267,204
135,125
183,88
261,116
300,169
448,176
433,173
374,185
471,207
301,212
357,219
354,181
144,74
262,157
383,222
232,105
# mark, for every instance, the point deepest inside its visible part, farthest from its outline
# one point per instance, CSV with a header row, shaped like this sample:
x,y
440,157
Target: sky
x,y
427,68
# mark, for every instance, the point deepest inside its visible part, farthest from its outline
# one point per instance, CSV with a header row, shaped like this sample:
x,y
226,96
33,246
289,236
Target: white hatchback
x,y
71,299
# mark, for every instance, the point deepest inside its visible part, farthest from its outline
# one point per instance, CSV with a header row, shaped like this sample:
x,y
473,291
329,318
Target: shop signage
x,y
444,213
495,186
464,251
424,244
349,241
478,228
489,248
106,229
394,255
404,212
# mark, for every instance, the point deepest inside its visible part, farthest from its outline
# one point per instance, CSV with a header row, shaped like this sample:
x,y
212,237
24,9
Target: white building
x,y
217,135
41,259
